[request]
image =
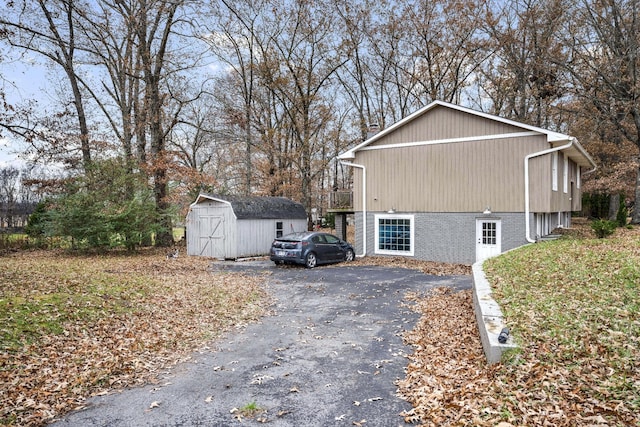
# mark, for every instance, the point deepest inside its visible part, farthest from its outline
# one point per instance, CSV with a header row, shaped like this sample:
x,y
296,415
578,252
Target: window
x,y
279,229
554,171
578,176
489,235
331,239
565,175
394,234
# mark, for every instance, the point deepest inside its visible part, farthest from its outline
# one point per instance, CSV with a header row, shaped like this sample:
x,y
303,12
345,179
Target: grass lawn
x,y
573,305
73,326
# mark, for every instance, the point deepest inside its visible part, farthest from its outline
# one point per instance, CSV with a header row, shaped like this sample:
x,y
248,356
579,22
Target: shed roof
x,y
254,207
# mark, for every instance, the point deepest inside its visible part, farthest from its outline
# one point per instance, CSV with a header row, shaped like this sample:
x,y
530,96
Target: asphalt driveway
x,y
328,356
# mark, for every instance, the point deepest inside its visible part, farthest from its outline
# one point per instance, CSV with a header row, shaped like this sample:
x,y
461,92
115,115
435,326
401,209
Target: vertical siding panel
x,y
442,122
455,177
231,233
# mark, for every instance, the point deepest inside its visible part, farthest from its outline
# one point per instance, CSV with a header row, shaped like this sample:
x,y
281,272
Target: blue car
x,y
310,248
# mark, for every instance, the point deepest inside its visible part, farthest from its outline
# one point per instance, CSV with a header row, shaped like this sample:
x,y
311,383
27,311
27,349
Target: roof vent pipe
x,y
374,128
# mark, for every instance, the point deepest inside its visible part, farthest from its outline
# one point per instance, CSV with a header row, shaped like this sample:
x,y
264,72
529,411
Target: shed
x,y
236,227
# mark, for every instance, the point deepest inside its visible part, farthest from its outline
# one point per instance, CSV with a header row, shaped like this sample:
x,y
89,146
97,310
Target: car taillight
x,y
304,243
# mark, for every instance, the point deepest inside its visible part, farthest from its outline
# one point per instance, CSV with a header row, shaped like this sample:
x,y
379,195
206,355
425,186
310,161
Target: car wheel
x,y
311,260
349,255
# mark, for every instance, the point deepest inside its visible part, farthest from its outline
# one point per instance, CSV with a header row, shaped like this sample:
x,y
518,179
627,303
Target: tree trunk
x,y
614,205
635,217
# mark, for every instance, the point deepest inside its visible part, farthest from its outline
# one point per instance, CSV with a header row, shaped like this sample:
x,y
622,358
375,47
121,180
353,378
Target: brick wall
x,y
448,237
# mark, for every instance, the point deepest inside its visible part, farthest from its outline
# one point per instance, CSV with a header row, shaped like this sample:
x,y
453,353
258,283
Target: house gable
x,y
443,124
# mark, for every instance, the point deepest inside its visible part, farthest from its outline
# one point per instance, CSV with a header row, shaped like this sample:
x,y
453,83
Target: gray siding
x,y
447,237
255,235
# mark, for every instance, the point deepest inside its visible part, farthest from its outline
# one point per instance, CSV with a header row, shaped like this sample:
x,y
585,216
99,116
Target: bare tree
x,y
9,187
308,55
444,47
235,41
522,78
604,38
47,28
356,77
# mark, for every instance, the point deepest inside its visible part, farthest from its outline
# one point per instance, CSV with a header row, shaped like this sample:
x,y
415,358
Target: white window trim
x,y
565,175
578,176
411,219
554,171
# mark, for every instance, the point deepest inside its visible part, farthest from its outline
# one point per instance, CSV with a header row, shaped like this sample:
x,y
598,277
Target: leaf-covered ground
x,y
574,307
73,326
427,267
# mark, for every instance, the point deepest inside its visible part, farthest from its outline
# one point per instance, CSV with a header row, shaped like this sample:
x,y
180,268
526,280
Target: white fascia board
x,y
351,153
203,196
551,136
451,140
586,155
347,155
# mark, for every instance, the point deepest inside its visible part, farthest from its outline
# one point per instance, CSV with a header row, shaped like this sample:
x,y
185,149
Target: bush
x,y
110,206
595,205
603,227
329,220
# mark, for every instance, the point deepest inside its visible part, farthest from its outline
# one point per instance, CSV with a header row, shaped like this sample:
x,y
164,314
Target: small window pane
x,y
489,236
394,234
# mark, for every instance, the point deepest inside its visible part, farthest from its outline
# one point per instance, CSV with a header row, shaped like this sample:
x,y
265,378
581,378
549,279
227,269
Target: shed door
x,y
488,238
212,236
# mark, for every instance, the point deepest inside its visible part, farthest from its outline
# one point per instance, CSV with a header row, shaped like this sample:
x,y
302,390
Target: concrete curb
x,y
488,317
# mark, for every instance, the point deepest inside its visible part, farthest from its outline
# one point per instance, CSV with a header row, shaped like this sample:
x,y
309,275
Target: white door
x,y
212,236
487,238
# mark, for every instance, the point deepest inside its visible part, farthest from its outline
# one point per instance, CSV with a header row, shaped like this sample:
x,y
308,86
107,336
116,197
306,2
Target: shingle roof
x,y
254,207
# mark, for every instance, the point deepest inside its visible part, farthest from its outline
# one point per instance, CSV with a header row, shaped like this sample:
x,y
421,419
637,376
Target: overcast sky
x,y
23,80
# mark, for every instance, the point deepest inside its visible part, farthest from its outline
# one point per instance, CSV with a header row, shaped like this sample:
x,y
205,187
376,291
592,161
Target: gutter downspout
x,y
526,183
364,205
